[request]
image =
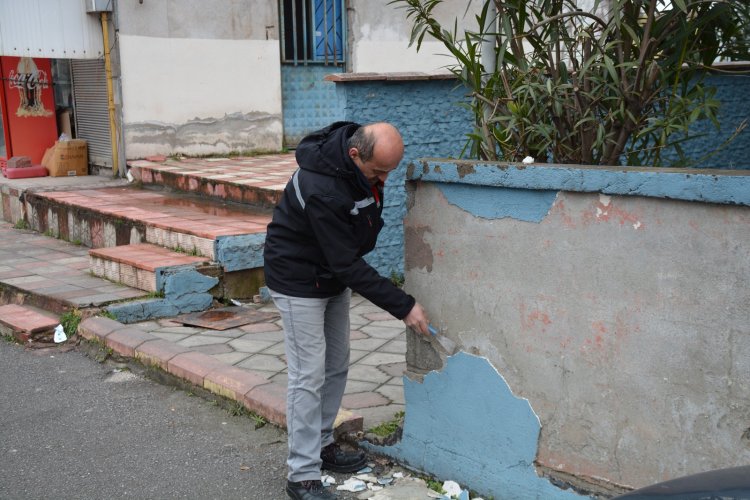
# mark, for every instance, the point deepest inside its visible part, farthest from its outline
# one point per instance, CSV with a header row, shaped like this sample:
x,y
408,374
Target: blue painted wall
x,y
732,91
476,433
308,101
432,124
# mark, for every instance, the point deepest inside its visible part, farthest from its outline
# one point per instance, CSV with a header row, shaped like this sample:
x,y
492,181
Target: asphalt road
x,y
72,428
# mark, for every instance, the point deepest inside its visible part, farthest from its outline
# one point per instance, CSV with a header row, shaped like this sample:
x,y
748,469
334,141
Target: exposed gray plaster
x,y
200,136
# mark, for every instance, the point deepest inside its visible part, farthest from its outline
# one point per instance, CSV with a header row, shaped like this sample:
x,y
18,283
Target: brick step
x,y
182,283
257,181
26,323
142,265
232,235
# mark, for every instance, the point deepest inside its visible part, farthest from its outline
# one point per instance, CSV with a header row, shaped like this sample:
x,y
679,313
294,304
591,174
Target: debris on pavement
x,y
60,335
352,484
224,318
384,480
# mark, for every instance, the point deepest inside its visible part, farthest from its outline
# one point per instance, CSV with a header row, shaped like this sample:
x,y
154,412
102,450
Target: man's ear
x,y
353,153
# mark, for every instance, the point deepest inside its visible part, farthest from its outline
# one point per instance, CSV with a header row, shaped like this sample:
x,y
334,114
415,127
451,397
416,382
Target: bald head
x,y
376,149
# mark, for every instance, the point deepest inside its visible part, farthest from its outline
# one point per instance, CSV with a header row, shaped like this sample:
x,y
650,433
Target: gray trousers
x,y
316,333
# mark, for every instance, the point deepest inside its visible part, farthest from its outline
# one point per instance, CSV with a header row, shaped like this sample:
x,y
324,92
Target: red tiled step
x,y
23,322
136,265
257,180
119,216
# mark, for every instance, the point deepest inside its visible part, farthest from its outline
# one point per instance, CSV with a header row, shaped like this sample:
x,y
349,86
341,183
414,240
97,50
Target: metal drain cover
x,y
225,318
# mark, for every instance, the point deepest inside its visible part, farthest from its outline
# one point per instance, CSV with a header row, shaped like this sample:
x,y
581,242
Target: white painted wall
x,y
380,37
174,80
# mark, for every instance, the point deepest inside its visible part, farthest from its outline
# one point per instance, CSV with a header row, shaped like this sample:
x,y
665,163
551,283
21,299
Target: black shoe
x,y
308,490
337,460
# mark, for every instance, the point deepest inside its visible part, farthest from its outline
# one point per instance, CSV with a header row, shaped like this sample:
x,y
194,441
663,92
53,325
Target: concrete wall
x,y
613,301
380,36
200,76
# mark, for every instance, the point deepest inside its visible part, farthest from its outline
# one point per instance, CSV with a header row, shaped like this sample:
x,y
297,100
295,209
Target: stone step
x,y
25,323
141,266
257,181
232,235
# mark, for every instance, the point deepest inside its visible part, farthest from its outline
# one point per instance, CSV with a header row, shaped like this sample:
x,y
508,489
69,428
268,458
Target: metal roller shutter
x,y
92,116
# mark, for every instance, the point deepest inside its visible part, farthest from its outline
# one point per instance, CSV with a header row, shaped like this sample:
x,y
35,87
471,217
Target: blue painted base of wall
x,y
465,424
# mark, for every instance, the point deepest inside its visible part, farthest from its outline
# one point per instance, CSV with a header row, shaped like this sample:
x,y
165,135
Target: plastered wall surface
x,y
200,77
622,319
380,37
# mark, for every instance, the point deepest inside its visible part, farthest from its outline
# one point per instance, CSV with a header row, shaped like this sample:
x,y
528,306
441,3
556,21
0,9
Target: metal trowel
x,y
441,341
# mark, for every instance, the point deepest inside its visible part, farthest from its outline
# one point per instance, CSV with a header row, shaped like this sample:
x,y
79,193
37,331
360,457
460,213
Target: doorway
x,y
313,35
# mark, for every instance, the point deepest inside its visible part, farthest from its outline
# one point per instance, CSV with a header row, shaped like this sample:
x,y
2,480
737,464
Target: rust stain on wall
x,y
418,251
410,170
465,169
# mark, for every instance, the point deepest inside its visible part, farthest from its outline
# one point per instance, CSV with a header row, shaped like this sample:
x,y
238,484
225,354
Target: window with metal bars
x,y
312,31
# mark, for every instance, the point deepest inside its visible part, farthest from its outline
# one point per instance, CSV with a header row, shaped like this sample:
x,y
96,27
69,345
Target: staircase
x,y
188,232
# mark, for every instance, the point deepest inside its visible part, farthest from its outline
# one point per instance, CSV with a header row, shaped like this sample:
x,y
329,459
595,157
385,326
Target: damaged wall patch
x,y
491,202
464,423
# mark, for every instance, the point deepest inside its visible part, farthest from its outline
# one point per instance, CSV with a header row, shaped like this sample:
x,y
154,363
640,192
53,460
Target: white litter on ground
x,y
352,484
60,334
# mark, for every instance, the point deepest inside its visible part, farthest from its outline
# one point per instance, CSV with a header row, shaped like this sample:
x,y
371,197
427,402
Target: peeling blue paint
x,y
496,203
185,290
465,424
713,186
240,252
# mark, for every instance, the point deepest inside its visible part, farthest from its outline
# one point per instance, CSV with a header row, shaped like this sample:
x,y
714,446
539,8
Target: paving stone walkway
x,y
53,269
378,347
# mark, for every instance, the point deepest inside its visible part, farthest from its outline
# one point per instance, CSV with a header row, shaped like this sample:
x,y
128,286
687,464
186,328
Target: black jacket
x,y
328,218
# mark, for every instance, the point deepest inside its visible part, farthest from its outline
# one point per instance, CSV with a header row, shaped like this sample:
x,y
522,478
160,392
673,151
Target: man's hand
x,y
417,319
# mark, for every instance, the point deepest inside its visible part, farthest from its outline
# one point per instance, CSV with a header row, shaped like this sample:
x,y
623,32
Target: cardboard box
x,y
67,158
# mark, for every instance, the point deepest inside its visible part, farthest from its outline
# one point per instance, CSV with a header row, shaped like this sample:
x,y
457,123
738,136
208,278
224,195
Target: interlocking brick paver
x,y
260,328
201,340
246,345
392,392
232,382
193,366
126,340
97,327
381,358
364,400
367,373
158,352
213,349
263,362
396,369
270,399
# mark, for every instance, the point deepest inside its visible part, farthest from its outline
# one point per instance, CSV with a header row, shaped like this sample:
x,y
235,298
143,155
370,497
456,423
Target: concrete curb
x,y
259,395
